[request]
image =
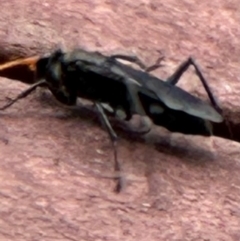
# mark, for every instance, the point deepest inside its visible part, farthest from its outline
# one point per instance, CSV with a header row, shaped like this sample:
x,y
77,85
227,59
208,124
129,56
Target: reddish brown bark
x,y
179,187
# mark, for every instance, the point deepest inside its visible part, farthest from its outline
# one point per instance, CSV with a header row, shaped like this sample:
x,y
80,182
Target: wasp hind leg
x,y
175,77
114,139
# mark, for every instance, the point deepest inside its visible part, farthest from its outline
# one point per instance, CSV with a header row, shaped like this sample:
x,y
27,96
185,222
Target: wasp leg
x,y
24,94
136,60
175,77
156,65
114,138
144,126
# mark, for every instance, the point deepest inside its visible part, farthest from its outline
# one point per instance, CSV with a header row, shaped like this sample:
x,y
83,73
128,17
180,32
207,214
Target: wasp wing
x,y
173,96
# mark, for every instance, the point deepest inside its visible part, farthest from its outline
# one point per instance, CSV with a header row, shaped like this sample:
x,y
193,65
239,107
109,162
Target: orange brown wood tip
x,y
30,62
23,69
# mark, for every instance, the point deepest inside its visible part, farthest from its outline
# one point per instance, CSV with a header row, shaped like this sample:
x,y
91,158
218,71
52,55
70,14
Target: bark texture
x,y
179,187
